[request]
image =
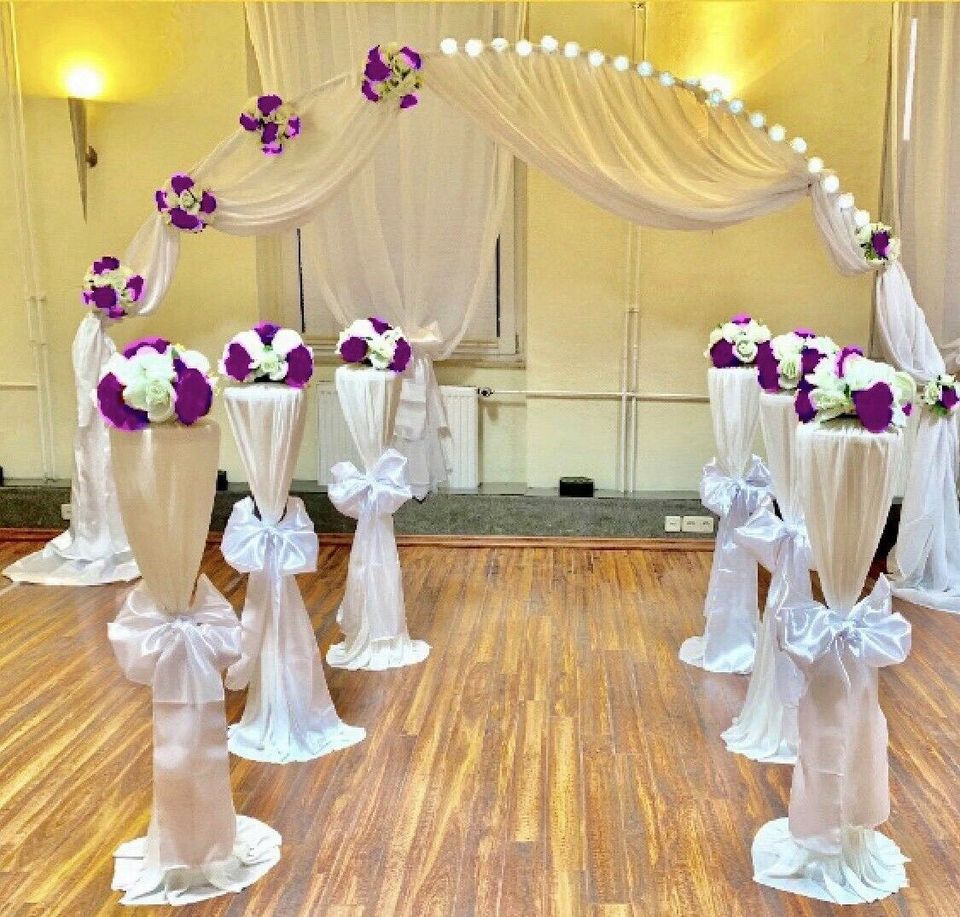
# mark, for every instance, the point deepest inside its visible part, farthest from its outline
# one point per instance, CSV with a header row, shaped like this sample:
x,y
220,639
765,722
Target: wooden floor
x,y
551,756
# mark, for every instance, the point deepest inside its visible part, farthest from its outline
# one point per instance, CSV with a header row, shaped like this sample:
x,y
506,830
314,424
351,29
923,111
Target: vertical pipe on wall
x,y
35,298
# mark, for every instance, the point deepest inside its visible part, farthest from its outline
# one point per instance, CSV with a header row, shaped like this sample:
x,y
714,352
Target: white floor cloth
x,y
829,848
289,714
94,549
734,486
372,614
177,640
766,728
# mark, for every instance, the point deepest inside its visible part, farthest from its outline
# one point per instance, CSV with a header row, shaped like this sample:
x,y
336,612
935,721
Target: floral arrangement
x,y
878,242
276,121
941,394
154,381
374,342
736,342
783,361
268,353
184,205
849,385
111,287
392,70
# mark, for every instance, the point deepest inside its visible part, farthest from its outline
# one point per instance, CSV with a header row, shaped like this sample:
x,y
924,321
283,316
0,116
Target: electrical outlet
x,y
66,511
672,523
702,525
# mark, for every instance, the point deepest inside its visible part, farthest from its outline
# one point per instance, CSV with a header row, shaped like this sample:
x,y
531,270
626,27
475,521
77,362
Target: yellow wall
x,y
178,77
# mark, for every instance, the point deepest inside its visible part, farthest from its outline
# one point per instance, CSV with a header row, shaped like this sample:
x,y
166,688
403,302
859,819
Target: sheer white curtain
x,y
413,237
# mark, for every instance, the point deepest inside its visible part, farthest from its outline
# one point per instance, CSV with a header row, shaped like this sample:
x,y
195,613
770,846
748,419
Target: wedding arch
x,y
654,149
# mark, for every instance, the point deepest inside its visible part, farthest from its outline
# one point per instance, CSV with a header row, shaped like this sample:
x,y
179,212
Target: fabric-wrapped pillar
x,y
372,613
289,714
766,729
177,640
828,848
734,486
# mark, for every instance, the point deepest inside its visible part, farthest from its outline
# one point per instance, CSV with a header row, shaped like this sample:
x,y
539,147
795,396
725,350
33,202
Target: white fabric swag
x,y
653,153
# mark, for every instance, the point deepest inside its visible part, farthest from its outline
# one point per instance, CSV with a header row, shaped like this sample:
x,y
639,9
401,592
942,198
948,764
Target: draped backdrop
x,y
642,146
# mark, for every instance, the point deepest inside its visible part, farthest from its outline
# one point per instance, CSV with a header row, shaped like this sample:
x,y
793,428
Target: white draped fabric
x,y
94,549
766,729
289,714
413,238
735,485
177,640
828,848
372,614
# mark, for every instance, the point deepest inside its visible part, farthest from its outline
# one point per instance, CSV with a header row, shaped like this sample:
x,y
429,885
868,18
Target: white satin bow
x,y
290,544
719,492
420,391
179,656
379,492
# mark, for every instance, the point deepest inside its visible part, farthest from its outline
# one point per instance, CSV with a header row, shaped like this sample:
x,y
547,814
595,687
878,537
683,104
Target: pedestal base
x,y
284,743
255,853
58,564
870,866
693,652
377,655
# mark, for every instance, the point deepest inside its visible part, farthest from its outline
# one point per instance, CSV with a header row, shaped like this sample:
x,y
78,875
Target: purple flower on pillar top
x,y
736,342
878,242
111,287
376,343
804,406
767,368
941,394
392,70
874,406
268,353
154,381
276,121
184,205
783,362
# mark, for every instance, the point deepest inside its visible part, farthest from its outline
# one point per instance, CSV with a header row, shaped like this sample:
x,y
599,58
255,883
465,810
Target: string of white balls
x,y
474,47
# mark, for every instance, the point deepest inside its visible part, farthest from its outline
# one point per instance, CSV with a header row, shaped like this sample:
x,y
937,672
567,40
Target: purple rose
x,y
874,406
722,354
104,297
401,356
248,122
377,69
408,101
237,362
293,128
804,333
181,182
267,332
768,369
185,221
160,196
160,345
208,203
269,104
804,406
845,354
135,286
908,408
949,398
880,242
367,89
353,350
810,358
380,325
106,263
299,366
270,132
114,409
193,396
414,61
741,318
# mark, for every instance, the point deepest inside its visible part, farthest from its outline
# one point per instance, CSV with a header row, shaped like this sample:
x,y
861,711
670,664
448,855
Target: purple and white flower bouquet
x,y
941,394
185,205
268,353
783,361
736,342
848,384
392,70
275,120
878,242
374,342
154,381
111,287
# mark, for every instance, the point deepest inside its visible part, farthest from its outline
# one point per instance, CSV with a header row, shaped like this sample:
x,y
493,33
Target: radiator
x,y
334,443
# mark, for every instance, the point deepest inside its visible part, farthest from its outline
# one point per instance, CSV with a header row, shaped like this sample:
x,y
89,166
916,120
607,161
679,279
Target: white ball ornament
x,y
846,200
621,63
645,68
549,44
758,119
831,184
473,47
715,97
777,132
861,218
814,165
736,106
667,79
596,58
449,46
798,145
524,48
571,49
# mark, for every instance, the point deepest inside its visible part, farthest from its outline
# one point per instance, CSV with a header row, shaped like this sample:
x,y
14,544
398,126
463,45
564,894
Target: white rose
x,y
273,365
790,371
745,349
194,360
893,249
830,403
716,334
904,387
931,392
361,328
285,340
